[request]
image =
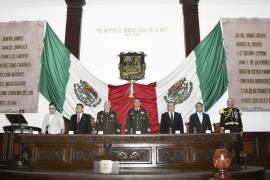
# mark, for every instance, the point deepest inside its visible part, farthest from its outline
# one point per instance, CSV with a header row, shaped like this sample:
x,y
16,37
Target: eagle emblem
x,y
179,91
86,94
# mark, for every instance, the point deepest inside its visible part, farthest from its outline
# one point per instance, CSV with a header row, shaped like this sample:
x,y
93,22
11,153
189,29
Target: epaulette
x,y
240,111
221,111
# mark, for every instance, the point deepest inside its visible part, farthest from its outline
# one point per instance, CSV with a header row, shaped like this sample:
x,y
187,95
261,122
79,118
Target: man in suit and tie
x,y
80,123
53,122
199,121
171,119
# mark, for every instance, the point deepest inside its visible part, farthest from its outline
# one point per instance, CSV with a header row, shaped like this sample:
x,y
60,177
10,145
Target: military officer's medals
x,y
236,115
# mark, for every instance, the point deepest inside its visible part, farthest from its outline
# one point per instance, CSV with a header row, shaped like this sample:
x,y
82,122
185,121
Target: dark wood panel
x,y
82,155
171,155
170,151
132,154
185,151
256,148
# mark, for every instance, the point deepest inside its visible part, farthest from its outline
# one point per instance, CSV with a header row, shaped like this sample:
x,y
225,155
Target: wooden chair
x,y
217,127
188,127
67,122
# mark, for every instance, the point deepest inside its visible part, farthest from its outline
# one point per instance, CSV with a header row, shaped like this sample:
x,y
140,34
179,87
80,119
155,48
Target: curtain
x,y
121,102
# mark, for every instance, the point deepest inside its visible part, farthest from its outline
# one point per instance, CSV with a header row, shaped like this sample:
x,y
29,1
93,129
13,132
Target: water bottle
x,y
194,130
47,129
93,131
131,130
170,130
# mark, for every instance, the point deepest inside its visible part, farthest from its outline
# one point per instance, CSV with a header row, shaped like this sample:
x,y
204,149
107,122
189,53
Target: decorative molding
x,y
51,154
84,154
166,155
132,154
203,154
129,139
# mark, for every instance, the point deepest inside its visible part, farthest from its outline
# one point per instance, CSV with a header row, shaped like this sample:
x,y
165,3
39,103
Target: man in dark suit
x,y
80,123
171,119
199,121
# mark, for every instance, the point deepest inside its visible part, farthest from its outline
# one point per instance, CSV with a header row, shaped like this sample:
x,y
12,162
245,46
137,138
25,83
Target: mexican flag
x,y
65,81
201,77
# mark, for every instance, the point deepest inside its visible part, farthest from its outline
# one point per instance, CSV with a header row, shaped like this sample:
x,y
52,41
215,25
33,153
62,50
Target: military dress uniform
x,y
137,120
231,119
107,122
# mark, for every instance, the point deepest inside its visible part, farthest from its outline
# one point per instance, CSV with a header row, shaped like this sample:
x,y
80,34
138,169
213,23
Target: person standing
x,y
53,122
80,123
137,119
230,119
171,120
200,121
107,120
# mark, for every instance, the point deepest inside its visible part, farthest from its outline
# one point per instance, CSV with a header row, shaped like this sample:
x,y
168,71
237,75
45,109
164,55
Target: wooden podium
x,y
170,156
150,152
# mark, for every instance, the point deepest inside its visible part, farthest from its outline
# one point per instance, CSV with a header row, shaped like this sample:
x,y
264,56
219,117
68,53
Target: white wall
x,y
164,49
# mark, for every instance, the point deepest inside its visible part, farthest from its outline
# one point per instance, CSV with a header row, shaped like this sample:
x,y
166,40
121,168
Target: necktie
x,y
200,117
78,118
171,114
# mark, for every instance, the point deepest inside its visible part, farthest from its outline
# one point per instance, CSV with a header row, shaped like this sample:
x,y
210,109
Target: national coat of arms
x,y
179,91
132,65
86,94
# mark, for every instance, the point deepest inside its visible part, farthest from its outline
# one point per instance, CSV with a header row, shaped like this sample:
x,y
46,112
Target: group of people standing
x,y
138,120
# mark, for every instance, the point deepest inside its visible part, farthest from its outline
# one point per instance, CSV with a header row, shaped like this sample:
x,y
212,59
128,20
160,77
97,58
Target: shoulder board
x,y
221,111
240,111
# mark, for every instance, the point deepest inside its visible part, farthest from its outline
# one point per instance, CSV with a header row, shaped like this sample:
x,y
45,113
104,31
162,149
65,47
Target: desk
x,y
185,151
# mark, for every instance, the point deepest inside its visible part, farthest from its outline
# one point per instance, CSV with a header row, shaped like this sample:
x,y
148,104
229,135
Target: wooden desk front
x,y
185,151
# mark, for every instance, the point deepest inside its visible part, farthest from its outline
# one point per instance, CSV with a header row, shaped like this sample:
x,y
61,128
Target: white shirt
x,y
80,116
51,118
54,123
200,115
171,112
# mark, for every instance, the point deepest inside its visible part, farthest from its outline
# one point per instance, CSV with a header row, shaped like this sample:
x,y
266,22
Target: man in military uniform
x,y
230,119
137,119
107,120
